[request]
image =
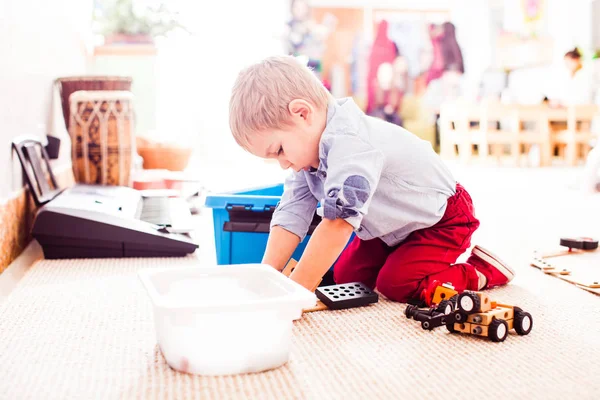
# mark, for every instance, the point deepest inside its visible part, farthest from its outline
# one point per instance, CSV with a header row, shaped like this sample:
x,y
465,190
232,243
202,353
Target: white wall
x,y
569,24
196,72
596,26
40,40
472,19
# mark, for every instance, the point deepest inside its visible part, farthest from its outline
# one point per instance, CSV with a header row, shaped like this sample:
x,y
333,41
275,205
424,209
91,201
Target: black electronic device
x,y
95,221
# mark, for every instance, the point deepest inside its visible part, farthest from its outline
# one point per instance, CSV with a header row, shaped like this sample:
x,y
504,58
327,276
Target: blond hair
x,y
263,91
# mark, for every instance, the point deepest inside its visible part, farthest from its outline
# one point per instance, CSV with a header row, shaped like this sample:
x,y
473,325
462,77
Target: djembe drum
x,y
102,136
66,86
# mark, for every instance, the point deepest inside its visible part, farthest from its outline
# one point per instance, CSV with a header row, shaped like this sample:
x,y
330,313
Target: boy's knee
x,y
393,293
342,273
395,288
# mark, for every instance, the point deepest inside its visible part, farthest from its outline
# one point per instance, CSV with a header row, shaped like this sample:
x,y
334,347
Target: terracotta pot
x,y
123,38
165,157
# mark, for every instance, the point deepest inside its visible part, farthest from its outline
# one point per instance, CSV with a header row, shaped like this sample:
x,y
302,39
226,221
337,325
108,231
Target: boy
x,y
411,219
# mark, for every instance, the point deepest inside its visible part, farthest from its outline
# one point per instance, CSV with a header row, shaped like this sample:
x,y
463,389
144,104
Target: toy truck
x,y
476,314
436,294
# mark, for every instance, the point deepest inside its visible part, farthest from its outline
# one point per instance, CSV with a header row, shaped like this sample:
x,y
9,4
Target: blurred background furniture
x,y
416,119
577,137
517,130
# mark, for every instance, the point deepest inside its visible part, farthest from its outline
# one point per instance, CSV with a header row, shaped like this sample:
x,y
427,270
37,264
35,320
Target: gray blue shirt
x,y
380,178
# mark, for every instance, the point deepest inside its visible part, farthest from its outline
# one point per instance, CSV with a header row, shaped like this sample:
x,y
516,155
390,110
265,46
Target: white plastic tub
x,y
224,320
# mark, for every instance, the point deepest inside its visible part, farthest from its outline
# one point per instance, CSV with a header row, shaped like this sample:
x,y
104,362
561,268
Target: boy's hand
x,y
289,268
324,247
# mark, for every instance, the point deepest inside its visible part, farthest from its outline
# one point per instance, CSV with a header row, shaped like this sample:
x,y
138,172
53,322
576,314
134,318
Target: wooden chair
x,y
495,134
497,128
532,128
578,133
456,130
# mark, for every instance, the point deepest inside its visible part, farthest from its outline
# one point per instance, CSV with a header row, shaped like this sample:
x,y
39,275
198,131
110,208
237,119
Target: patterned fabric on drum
x,y
102,136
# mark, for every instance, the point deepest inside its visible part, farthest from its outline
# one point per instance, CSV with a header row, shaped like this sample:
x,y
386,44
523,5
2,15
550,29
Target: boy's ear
x,y
301,109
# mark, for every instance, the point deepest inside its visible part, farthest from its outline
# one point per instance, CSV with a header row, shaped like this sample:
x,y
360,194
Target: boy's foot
x,y
496,271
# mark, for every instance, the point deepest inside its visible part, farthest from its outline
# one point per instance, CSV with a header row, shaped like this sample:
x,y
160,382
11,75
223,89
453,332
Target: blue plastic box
x,y
241,224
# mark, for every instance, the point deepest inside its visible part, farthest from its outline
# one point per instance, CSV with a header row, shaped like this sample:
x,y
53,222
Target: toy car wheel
x,y
522,322
468,302
460,317
498,330
445,307
410,311
454,300
426,325
450,327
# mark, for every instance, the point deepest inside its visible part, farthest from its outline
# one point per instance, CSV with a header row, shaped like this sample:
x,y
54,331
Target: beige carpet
x,y
83,329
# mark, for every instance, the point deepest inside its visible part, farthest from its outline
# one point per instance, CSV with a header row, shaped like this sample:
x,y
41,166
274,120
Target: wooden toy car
x,y
437,293
430,318
476,314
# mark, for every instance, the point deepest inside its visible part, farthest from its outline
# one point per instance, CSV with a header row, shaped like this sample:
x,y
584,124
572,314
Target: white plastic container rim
x,y
294,293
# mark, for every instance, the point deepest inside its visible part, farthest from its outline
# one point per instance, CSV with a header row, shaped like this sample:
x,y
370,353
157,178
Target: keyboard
x,y
156,210
93,221
169,212
88,221
172,213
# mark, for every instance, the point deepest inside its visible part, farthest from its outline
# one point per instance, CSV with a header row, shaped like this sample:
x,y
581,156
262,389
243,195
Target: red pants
x,y
402,272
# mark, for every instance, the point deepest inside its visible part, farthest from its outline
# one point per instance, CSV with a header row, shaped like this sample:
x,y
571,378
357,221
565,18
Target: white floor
x,y
528,208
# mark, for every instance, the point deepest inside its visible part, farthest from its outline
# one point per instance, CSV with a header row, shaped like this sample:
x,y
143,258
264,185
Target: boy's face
x,y
297,145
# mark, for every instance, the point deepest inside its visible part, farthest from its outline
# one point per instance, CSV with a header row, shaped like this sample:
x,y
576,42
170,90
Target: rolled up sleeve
x,y
296,209
353,175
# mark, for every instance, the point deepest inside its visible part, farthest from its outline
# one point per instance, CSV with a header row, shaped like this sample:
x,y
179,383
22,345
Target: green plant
x,y
131,17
